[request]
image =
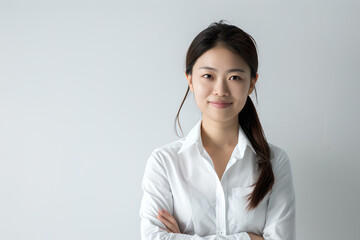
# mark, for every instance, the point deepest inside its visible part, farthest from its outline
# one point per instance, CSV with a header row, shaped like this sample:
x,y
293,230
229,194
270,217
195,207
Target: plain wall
x,y
89,88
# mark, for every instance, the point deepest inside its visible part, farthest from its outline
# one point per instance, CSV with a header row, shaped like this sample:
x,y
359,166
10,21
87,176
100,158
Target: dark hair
x,y
241,43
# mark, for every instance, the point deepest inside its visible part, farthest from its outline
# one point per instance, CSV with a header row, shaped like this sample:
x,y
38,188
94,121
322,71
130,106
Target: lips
x,y
219,104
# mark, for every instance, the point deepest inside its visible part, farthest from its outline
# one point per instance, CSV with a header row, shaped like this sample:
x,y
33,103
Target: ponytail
x,y
250,123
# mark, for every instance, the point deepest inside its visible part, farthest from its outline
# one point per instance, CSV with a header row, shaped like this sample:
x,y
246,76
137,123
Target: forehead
x,y
222,59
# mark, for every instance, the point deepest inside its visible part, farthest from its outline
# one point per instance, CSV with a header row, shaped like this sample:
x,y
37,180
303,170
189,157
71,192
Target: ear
x,y
189,79
252,83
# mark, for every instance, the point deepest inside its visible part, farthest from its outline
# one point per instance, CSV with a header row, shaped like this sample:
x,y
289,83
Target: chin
x,y
219,118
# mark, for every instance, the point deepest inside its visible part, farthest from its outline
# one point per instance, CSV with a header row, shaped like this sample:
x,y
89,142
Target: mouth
x,y
220,104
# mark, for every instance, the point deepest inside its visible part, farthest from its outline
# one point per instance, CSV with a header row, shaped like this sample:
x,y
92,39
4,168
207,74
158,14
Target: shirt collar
x,y
194,139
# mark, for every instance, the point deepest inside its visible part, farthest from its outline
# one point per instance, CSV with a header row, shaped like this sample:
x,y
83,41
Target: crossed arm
x,y
280,217
171,225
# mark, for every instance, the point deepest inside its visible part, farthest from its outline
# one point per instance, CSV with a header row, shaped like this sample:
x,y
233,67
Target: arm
x,y
170,222
157,195
280,217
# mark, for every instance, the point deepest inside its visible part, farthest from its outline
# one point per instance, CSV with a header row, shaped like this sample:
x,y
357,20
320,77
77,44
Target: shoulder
x,y
283,184
160,159
167,151
278,157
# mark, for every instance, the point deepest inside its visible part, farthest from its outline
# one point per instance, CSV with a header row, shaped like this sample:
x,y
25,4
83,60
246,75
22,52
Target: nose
x,y
221,88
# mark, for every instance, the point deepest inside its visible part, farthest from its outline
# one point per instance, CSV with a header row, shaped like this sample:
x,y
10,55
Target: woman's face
x,y
221,82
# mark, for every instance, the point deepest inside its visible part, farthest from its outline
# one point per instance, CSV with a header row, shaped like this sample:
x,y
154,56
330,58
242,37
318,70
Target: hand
x,y
255,237
169,221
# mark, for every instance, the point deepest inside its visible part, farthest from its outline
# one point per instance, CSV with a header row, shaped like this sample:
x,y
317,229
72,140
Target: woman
x,y
223,180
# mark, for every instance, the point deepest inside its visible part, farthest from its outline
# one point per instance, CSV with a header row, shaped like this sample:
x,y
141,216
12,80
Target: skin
x,y
218,75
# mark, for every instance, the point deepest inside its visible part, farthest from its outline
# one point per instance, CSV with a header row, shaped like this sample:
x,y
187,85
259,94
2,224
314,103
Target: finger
x,y
168,225
165,221
173,228
171,219
168,217
165,229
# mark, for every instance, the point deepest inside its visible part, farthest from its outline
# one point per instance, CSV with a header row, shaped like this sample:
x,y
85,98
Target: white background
x,y
89,88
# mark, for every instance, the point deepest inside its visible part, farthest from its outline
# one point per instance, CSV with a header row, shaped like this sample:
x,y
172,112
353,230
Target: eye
x,y
207,76
235,78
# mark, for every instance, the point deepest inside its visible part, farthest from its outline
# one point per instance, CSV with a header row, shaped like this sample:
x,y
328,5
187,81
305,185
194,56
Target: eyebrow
x,y
230,70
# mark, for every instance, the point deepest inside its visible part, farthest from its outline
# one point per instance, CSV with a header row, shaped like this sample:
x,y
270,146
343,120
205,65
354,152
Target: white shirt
x,y
180,177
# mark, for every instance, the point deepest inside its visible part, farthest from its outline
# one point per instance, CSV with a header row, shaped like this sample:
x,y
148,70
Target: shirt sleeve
x,y
280,216
157,195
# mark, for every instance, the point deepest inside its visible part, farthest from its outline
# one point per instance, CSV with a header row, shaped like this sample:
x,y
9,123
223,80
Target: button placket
x,y
220,210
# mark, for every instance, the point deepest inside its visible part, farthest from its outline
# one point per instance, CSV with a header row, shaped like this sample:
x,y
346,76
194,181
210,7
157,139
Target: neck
x,y
219,135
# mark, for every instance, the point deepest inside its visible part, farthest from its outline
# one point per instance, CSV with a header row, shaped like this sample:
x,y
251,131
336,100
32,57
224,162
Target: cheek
x,y
240,90
202,90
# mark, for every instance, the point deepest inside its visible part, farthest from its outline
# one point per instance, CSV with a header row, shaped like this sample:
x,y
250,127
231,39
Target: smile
x,y
220,104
